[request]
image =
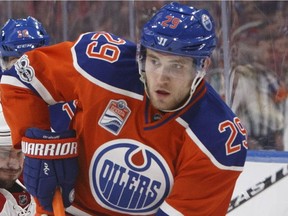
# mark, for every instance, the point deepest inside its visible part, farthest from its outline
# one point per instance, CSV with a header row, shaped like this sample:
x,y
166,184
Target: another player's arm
x,y
32,111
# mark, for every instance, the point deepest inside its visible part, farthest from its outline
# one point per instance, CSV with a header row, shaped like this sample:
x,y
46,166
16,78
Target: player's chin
x,y
161,104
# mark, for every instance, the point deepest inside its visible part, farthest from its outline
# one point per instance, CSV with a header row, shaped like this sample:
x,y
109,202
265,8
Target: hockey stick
x,y
58,206
258,188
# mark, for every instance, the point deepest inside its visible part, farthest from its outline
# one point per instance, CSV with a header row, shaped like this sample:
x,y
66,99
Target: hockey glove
x,y
50,162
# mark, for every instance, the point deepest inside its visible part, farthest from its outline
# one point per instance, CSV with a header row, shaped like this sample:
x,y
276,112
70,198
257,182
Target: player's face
x,y
169,79
11,165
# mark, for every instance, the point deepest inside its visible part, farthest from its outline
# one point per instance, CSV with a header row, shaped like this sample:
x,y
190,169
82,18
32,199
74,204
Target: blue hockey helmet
x,y
181,30
21,35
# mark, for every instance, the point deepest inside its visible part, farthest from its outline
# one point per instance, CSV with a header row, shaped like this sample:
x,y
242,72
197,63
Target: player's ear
x,y
206,63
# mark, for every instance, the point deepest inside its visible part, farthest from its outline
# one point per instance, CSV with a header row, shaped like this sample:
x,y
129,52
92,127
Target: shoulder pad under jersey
x,y
104,57
217,130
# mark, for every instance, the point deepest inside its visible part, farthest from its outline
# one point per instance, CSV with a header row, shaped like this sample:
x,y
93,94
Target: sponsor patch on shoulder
x,y
24,70
115,116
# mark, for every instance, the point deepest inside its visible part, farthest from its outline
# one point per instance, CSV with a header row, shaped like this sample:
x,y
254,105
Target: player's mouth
x,y
162,93
10,171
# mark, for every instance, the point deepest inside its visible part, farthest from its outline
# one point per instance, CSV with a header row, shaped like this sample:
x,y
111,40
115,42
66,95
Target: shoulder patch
x,y
24,70
115,116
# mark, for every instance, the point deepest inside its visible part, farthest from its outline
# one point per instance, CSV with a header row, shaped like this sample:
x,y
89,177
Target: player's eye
x,y
177,66
154,61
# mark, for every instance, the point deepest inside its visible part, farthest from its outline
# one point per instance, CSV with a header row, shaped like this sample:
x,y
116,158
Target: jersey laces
x,y
26,211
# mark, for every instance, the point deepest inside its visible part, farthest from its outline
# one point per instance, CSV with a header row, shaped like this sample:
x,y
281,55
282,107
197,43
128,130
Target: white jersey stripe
x,y
75,211
37,85
182,122
204,149
169,210
42,91
209,155
12,81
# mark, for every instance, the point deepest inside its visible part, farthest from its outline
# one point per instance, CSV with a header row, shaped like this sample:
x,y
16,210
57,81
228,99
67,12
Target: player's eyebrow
x,y
151,55
178,60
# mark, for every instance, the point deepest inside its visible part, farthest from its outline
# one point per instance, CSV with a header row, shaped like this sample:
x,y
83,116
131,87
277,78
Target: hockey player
x,y
14,199
164,144
17,37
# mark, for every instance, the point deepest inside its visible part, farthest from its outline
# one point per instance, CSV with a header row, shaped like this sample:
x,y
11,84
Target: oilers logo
x,y
206,22
115,116
127,176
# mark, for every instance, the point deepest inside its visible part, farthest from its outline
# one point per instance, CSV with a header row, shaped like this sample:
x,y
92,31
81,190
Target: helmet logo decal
x,y
24,70
206,22
162,41
23,33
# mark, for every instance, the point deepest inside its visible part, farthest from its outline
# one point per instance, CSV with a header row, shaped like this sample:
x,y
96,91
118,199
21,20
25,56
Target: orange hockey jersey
x,y
134,160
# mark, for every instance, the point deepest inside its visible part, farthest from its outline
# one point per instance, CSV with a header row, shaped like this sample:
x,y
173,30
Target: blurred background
x,y
250,64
